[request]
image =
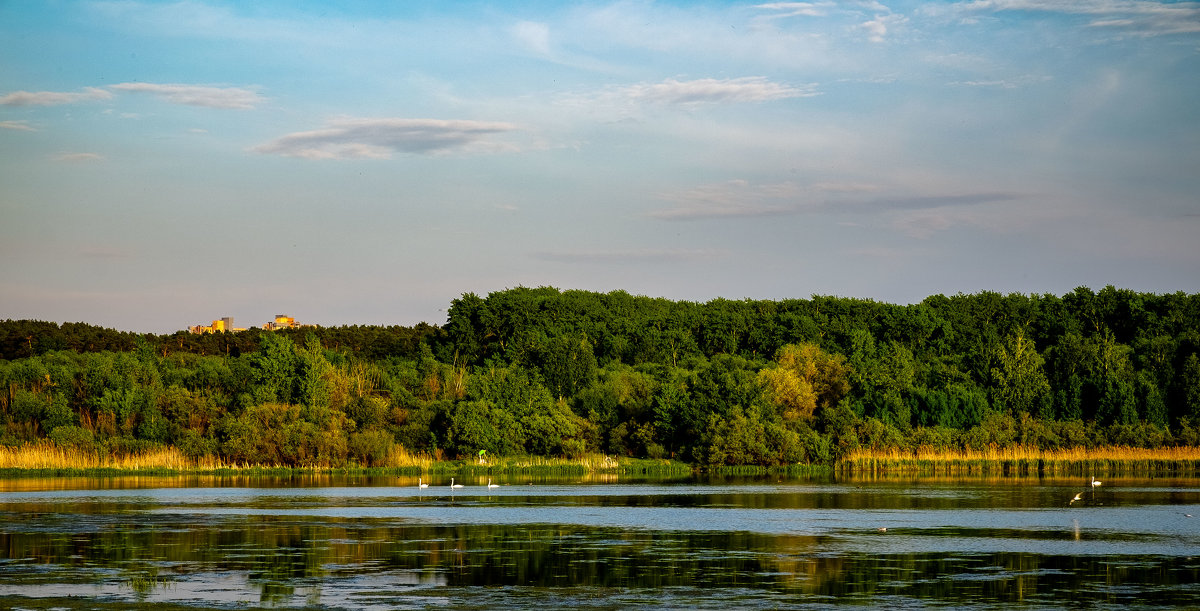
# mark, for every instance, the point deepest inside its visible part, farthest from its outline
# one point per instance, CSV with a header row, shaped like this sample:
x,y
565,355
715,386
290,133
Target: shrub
x,y
71,436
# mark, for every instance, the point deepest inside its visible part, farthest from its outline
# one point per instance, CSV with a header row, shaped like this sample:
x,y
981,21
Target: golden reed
x,y
45,455
1025,460
1025,453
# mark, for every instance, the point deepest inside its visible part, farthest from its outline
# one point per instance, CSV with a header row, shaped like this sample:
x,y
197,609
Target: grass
x,y
1026,460
46,458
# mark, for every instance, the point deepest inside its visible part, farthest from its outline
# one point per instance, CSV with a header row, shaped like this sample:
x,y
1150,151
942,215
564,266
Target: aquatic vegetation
x,y
1025,459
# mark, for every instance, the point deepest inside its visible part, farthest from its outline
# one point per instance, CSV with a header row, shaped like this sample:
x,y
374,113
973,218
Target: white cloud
x,y
797,9
78,157
17,125
1141,17
54,98
379,138
819,9
1010,83
878,28
715,91
236,98
534,36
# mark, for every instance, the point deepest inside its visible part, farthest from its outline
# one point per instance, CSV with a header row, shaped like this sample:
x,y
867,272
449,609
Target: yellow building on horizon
x,y
223,325
282,321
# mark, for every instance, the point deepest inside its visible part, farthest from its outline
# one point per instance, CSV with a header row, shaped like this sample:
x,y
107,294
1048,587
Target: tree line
x,y
548,372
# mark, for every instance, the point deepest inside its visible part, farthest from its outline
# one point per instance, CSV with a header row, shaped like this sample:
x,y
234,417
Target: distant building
x,y
223,325
283,321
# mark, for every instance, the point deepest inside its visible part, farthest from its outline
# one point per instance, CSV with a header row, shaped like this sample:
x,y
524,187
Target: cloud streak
x,y
78,157
379,138
54,98
17,125
1142,17
740,199
748,89
235,98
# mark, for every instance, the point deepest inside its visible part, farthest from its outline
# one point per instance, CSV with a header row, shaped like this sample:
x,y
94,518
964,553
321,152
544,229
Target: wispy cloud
x,y
1140,17
533,36
878,28
819,9
627,256
17,125
237,98
1009,83
54,98
735,198
740,199
797,9
715,91
78,157
882,19
379,138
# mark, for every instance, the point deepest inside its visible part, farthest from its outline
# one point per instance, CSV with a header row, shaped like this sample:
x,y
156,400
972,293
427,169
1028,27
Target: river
x,y
329,542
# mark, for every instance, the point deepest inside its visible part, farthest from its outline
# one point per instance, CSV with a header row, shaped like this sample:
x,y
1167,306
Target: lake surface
x,y
326,542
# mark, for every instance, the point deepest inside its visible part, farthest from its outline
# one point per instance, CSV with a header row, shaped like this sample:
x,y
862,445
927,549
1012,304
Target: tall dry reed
x,y
1025,453
47,455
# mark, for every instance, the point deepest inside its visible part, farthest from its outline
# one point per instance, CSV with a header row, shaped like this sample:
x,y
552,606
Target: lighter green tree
x,y
1019,380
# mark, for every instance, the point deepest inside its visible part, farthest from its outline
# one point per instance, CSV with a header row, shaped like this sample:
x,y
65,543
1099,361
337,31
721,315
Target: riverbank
x,y
47,459
1021,460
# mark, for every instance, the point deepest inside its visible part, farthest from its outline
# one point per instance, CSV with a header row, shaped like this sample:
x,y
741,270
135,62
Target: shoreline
x,y
46,460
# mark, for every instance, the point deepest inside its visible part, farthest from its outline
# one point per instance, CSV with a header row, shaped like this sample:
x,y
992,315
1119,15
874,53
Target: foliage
x,y
544,372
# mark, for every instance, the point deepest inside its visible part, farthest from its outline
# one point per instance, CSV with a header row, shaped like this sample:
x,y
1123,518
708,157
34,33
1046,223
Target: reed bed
x,y
1019,460
46,458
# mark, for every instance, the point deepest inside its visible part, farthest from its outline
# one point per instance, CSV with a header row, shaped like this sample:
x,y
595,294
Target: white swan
x,y
1078,497
1095,482
421,484
491,485
454,485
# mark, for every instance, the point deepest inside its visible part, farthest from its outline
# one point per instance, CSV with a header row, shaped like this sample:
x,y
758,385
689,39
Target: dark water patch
x,y
672,546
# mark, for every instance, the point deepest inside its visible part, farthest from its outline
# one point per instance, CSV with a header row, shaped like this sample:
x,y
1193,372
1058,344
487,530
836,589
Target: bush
x,y
71,436
371,448
194,445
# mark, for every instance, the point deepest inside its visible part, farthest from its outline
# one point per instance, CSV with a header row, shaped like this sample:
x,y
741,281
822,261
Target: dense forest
x,y
546,372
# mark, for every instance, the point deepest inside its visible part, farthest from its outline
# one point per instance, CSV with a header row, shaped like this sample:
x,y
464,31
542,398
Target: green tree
x,y
803,377
1019,382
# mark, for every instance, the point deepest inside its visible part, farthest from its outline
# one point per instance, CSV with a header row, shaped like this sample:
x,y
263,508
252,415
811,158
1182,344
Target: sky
x,y
164,164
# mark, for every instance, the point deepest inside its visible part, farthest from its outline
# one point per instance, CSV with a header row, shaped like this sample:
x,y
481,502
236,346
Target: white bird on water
x,y
421,484
1078,497
491,485
454,485
1095,482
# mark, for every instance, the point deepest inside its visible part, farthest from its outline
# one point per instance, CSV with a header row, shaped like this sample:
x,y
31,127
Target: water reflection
x,y
974,543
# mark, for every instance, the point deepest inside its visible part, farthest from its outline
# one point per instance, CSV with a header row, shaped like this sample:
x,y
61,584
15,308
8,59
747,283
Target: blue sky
x,y
164,164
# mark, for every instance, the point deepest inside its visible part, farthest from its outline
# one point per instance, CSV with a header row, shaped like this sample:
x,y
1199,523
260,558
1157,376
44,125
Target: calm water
x,y
382,543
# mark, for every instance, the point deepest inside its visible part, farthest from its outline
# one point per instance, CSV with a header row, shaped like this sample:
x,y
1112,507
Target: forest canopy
x,y
546,372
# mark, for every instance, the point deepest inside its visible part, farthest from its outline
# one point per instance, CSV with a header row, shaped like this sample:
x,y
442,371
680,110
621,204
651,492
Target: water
x,y
383,543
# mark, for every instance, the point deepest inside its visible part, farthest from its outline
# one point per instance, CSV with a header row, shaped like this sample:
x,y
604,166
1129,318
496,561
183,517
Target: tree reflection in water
x,y
353,548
